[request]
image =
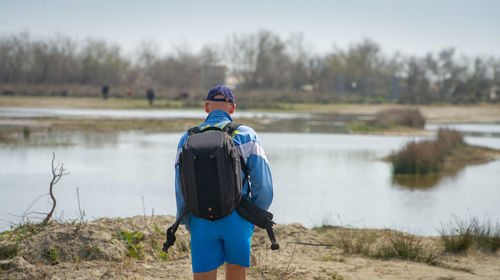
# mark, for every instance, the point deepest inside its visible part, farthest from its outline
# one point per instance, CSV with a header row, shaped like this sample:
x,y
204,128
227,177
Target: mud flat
x,y
130,248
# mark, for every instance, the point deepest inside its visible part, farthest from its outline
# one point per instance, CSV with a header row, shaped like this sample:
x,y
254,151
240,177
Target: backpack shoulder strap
x,y
193,130
231,127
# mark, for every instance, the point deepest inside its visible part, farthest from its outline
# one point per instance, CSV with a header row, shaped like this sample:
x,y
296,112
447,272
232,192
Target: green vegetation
x,y
363,128
90,252
157,229
133,239
426,157
21,232
52,255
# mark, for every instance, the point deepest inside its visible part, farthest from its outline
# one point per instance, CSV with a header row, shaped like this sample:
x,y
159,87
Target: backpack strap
x,y
244,167
211,128
172,229
193,130
259,217
231,127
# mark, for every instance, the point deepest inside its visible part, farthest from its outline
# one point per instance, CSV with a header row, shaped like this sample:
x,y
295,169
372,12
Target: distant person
x,y
104,91
150,94
130,93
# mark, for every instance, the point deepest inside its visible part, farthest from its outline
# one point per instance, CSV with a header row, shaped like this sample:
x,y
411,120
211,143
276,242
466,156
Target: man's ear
x,y
206,107
233,107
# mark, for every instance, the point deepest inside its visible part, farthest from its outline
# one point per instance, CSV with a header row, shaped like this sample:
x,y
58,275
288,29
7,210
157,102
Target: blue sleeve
x,y
178,192
261,193
261,181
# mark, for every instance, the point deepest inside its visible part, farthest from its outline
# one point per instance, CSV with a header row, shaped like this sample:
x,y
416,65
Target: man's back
x,y
227,239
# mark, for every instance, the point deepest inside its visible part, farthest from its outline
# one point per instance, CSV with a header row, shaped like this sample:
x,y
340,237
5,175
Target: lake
x,y
318,178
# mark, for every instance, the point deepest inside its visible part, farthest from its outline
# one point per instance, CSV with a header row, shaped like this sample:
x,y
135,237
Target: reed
x,y
405,246
426,157
458,236
487,236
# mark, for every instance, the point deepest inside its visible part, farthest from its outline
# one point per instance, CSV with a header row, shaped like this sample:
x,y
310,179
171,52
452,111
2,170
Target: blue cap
x,y
223,90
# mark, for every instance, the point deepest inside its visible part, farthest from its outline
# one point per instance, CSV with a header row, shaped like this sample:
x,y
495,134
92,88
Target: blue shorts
x,y
215,242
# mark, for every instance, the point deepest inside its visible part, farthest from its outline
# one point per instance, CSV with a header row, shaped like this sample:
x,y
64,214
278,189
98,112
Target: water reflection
x,y
421,182
51,138
469,129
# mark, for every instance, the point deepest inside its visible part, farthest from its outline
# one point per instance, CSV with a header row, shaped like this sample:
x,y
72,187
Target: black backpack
x,y
210,172
210,179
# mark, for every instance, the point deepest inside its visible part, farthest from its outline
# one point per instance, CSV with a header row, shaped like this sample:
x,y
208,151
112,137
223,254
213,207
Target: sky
x,y
409,27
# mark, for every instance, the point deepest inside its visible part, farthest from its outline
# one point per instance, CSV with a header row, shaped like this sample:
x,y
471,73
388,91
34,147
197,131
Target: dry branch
x,y
57,173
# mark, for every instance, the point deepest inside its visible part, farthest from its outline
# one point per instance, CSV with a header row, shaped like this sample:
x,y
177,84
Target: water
x,y
340,180
30,113
319,178
469,128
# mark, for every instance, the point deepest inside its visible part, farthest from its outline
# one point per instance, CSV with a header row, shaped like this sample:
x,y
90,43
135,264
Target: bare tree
x,y
57,172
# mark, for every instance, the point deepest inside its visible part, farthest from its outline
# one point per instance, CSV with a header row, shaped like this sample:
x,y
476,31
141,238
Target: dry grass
x,y
461,235
404,246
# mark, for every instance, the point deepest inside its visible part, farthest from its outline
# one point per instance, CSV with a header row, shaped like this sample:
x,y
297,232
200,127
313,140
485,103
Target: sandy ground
x,y
94,250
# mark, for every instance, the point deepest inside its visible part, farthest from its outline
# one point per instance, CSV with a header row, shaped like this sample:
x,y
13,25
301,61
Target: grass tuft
x,y
458,236
487,236
405,246
461,235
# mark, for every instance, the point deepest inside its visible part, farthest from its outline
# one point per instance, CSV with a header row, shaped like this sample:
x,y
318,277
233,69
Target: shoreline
x,y
324,118
480,113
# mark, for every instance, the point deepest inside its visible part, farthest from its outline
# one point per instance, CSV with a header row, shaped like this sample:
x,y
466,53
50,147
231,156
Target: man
x,y
150,94
104,91
228,239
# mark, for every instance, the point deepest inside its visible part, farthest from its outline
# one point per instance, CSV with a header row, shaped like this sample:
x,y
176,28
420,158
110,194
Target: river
x,y
319,178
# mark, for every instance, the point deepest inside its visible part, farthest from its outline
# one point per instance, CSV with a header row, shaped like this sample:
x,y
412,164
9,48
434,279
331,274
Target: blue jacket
x,y
250,149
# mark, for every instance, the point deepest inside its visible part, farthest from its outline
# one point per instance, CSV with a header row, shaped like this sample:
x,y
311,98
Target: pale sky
x,y
410,27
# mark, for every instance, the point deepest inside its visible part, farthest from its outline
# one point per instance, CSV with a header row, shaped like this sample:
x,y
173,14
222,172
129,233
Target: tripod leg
x,y
270,233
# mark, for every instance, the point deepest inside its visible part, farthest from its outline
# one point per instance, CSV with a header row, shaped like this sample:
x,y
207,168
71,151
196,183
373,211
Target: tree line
x,y
257,62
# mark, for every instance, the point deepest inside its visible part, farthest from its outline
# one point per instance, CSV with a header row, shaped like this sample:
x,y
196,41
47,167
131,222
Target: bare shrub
x,y
426,157
417,158
448,139
402,117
